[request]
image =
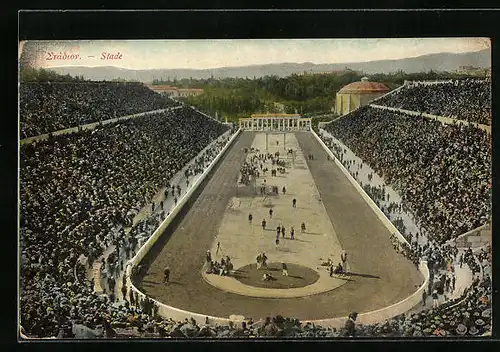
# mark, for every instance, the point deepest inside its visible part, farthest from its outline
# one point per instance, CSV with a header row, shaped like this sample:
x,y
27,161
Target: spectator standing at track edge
x,y
350,325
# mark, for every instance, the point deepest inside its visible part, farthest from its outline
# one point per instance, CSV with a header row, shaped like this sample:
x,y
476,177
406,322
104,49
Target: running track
x,y
383,276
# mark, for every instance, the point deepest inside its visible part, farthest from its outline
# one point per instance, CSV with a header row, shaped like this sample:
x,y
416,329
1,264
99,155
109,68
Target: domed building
x,y
357,94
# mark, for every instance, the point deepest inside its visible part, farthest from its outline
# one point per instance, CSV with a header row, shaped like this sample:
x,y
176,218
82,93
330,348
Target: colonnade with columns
x,y
275,124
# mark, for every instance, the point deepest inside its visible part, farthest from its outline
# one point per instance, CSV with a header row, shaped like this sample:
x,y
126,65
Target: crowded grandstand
x,y
71,104
442,172
81,190
465,99
83,195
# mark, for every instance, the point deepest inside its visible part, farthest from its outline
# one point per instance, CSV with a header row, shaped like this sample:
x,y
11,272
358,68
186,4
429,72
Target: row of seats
x,y
49,107
442,172
77,190
465,99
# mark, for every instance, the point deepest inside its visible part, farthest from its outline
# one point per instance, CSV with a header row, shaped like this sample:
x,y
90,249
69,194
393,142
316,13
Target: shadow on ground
x,y
365,275
298,276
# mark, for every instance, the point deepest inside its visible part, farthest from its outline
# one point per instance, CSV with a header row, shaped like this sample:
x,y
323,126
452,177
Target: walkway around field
x,y
91,126
168,204
360,170
443,119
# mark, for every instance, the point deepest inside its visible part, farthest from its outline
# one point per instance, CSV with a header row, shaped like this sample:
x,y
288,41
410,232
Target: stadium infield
x,y
380,276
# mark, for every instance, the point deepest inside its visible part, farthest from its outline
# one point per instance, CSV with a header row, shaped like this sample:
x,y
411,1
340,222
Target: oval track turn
x,y
382,277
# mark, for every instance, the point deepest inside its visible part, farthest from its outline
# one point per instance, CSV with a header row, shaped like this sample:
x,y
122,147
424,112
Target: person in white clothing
x,y
343,258
285,269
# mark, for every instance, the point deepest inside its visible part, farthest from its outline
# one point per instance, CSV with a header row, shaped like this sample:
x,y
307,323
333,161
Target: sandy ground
x,y
242,240
381,276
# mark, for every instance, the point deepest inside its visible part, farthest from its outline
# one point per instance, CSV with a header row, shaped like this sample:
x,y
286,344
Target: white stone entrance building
x,y
275,122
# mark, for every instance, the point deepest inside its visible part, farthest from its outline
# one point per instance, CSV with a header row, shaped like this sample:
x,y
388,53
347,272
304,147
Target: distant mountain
x,y
436,62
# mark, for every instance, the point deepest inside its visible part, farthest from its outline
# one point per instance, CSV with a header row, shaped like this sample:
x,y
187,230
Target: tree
x,y
313,93
28,74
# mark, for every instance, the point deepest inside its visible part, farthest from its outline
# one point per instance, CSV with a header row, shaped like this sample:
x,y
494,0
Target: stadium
x,y
142,216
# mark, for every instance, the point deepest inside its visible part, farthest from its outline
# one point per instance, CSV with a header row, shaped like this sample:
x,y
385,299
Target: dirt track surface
x,y
381,276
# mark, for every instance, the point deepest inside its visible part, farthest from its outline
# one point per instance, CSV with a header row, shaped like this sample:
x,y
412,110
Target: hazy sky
x,y
202,54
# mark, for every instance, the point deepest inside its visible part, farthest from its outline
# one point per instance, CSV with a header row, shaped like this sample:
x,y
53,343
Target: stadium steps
x,y
96,269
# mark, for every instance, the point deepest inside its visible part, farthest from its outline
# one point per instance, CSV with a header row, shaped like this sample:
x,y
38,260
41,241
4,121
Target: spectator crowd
x,y
49,107
442,172
78,191
466,99
468,315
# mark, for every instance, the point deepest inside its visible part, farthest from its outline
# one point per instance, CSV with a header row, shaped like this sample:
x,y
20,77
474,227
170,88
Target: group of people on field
x,y
224,267
341,268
